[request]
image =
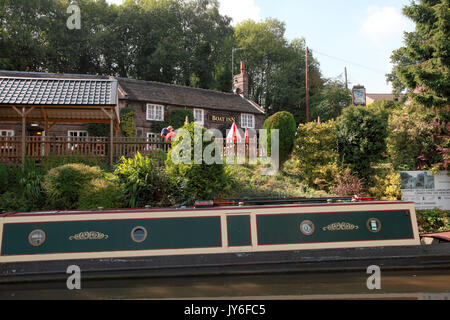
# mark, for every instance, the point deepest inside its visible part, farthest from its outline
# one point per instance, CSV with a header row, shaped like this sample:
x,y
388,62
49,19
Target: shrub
x,y
346,184
100,192
199,180
11,201
127,122
315,152
63,185
361,136
53,161
176,119
409,136
285,123
98,129
4,176
433,220
27,183
143,182
386,183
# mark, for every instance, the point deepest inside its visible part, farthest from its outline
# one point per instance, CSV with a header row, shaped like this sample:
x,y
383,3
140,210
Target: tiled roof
x,y
163,93
381,96
51,91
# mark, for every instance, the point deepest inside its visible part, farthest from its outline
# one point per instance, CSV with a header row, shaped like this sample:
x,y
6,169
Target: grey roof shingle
x,y
57,91
163,93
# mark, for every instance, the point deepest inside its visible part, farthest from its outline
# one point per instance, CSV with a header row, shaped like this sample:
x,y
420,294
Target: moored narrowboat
x,y
215,238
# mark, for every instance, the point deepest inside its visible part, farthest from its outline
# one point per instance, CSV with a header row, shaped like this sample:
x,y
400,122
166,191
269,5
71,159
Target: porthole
x,y
307,227
374,225
36,237
139,234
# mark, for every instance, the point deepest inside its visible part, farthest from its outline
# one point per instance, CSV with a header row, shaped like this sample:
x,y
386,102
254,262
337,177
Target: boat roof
x,y
184,209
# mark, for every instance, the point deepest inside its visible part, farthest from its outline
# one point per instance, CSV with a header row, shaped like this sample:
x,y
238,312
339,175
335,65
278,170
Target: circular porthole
x,y
139,234
307,227
374,225
36,237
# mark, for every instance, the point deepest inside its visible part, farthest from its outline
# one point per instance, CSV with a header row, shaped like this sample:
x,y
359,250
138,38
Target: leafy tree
x,y
199,179
285,123
330,101
276,68
361,136
423,65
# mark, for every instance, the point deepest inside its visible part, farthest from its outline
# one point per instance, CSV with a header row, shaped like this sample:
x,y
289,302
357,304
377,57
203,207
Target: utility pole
x,y
307,85
346,82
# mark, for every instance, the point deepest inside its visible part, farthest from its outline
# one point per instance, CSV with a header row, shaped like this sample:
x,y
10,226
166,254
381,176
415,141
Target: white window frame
x,y
245,122
202,121
8,133
152,137
74,146
155,116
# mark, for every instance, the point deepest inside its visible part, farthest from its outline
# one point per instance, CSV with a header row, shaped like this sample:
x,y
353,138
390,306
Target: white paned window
x,y
76,135
155,112
152,137
199,116
6,133
247,121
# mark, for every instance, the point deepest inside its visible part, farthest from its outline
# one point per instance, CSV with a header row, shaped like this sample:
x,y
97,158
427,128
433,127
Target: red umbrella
x,y
246,135
318,120
234,134
187,120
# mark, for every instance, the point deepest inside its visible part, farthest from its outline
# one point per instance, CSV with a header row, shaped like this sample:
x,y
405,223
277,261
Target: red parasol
x,y
234,134
318,120
187,120
246,135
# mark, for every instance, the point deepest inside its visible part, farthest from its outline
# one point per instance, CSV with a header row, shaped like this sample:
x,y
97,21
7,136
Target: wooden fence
x,y
38,147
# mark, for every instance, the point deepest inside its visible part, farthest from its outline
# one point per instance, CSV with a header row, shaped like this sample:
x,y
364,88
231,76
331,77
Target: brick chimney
x,y
240,82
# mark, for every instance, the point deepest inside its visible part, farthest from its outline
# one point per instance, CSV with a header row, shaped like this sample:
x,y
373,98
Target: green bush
x,y
385,184
176,119
200,181
63,185
127,123
361,136
433,220
410,135
315,153
100,192
11,201
98,129
143,182
4,178
285,123
52,161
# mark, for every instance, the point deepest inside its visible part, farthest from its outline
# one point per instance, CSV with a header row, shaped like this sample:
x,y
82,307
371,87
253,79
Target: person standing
x,y
171,135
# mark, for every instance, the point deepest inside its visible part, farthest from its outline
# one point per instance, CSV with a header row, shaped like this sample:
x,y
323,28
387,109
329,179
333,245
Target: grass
x,y
251,183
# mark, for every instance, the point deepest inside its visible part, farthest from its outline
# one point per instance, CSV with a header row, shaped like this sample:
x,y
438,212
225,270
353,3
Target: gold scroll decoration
x,y
340,226
89,235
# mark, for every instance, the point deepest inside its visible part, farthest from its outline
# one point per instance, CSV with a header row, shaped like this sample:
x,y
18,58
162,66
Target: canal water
x,y
410,285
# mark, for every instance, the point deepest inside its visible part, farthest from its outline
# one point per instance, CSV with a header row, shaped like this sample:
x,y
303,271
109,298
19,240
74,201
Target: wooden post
x,y
23,135
111,142
307,84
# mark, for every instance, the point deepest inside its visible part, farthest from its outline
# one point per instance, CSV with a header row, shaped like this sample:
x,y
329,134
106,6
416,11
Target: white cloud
x,y
240,10
384,25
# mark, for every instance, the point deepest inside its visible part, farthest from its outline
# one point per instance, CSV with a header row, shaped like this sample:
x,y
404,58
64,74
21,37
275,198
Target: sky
x,y
359,35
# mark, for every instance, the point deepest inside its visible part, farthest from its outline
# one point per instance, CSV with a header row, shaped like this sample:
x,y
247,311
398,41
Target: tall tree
x,y
422,66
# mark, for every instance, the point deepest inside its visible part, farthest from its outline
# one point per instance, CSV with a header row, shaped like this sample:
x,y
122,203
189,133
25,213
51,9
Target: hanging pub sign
x,y
359,95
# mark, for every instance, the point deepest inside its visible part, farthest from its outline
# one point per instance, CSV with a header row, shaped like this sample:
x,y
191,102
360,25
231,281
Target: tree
x,y
329,102
276,67
361,135
422,66
285,123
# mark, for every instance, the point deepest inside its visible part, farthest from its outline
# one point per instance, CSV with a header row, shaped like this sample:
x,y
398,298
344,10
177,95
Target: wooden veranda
x,y
52,101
